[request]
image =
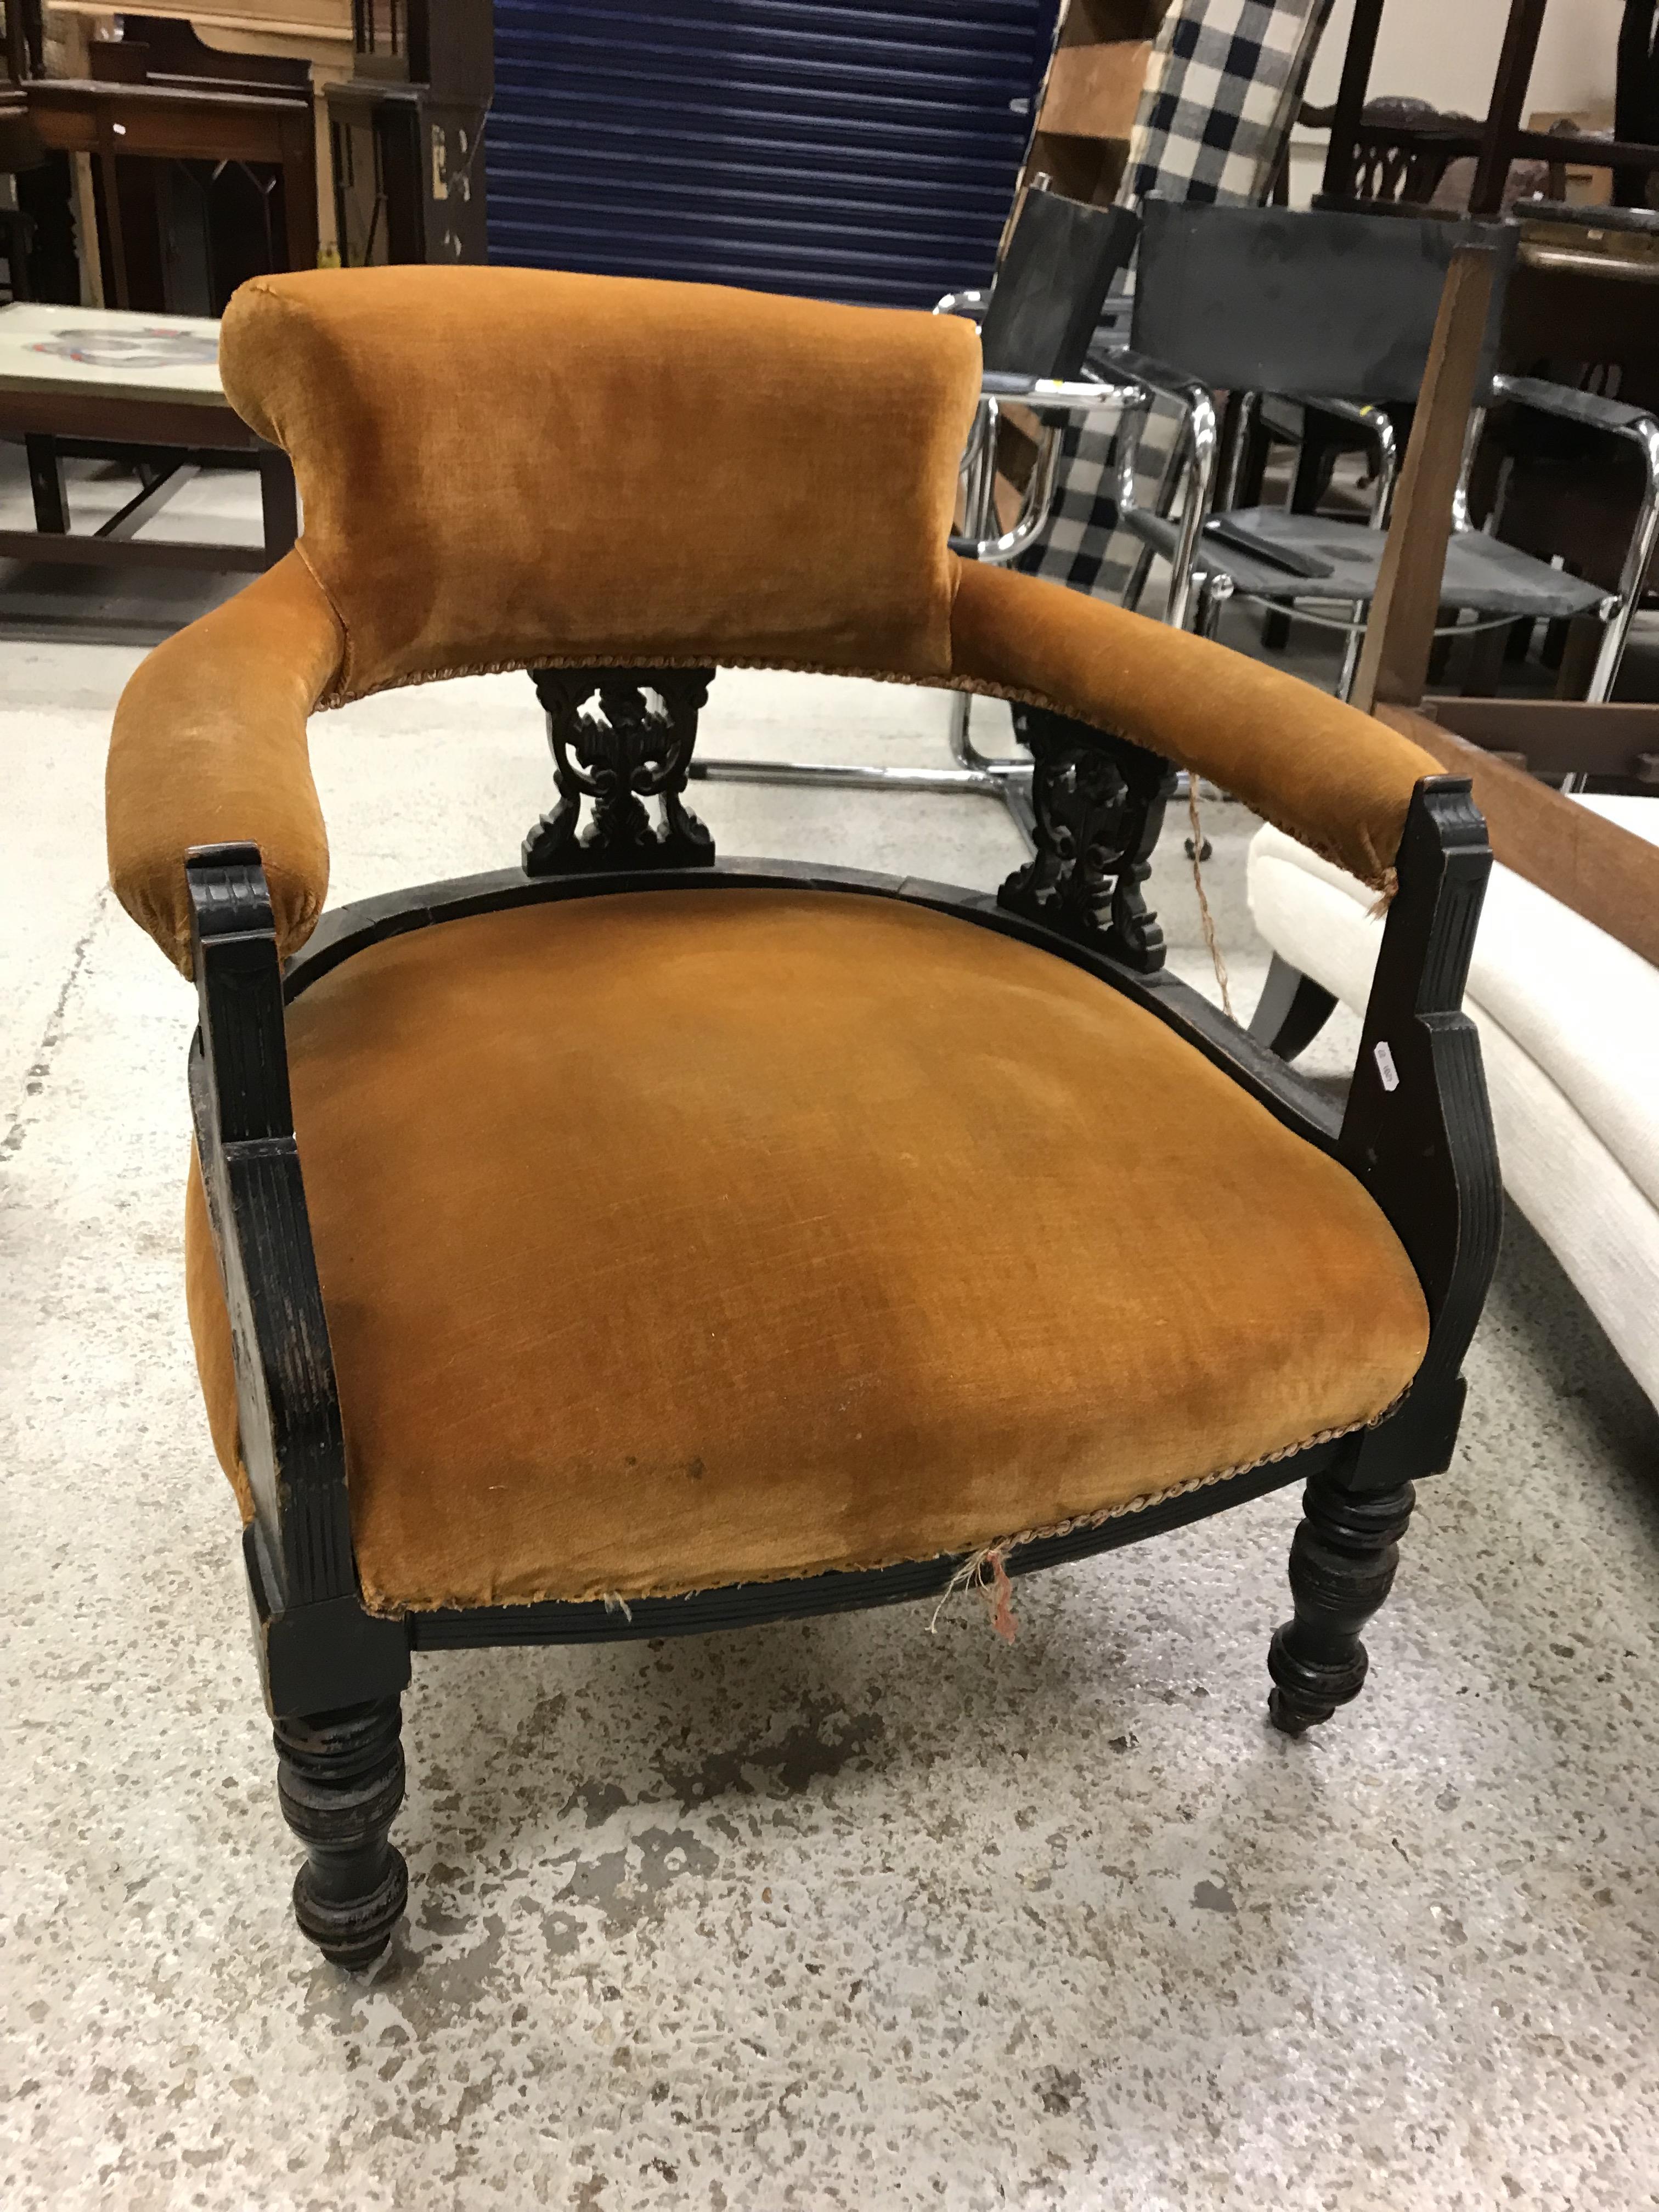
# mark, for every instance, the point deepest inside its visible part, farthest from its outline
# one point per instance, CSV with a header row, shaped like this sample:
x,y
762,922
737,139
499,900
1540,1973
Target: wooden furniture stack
x,y
1503,138
1564,988
1579,310
210,143
1087,108
1555,737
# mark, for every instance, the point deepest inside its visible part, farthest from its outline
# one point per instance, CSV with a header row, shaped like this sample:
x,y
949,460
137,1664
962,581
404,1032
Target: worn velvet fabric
x,y
210,748
1334,778
502,465
674,1239
680,1239
508,468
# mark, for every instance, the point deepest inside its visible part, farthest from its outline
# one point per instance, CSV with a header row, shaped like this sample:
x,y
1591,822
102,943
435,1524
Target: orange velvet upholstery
x,y
210,748
679,1238
502,466
508,468
1331,777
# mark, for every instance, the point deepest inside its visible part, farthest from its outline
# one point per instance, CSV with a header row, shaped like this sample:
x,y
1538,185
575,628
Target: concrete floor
x,y
833,1914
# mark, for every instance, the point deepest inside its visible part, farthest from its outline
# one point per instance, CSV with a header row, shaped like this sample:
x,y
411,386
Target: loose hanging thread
x,y
1207,921
996,1595
999,1597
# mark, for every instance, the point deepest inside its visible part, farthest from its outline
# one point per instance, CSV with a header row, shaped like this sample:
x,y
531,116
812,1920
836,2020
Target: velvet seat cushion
x,y
675,1239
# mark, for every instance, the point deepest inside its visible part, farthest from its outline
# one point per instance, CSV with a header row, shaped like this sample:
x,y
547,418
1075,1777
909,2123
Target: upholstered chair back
x,y
507,468
516,467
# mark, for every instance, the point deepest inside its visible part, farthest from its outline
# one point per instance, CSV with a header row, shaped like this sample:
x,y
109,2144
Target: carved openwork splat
x,y
1099,805
620,737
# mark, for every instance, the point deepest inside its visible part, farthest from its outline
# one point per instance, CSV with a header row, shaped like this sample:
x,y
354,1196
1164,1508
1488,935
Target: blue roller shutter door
x,y
864,152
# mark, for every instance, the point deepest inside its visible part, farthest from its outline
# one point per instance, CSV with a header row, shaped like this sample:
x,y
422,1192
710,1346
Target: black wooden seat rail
x,y
1416,1132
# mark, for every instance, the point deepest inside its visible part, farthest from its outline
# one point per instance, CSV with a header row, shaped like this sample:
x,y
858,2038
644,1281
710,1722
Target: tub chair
x,y
637,1242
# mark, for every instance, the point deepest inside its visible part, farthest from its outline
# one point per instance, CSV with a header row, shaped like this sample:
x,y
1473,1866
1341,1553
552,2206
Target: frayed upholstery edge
x,y
385,1608
1080,1521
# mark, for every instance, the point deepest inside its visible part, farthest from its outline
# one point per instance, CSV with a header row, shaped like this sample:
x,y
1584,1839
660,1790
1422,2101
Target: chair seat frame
x,y
1416,1132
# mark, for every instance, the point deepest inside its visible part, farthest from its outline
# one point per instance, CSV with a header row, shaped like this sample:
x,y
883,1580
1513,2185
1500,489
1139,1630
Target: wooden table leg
x,y
118,249
47,483
1400,636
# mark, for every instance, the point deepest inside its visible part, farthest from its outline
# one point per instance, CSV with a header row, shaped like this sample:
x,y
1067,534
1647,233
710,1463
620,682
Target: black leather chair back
x,y
1264,299
1051,284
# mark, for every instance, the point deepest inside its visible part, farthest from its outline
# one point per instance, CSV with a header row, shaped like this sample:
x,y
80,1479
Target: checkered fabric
x,y
1225,79
1221,91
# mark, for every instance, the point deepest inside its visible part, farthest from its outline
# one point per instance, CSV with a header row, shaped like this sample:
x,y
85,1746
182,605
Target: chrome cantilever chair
x,y
663,1244
1336,309
1036,324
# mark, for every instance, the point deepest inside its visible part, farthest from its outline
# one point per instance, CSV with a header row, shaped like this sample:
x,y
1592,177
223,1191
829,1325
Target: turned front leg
x,y
1342,1565
340,1780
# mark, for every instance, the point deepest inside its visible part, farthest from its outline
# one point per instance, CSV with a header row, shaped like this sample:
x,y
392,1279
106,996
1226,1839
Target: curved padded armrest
x,y
209,740
1329,776
209,748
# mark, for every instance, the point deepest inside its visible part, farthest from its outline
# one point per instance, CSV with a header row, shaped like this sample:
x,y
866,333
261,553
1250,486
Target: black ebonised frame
x,y
1417,1132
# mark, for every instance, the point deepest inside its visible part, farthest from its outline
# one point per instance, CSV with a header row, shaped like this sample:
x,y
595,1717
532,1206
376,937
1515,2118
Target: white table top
x,y
104,353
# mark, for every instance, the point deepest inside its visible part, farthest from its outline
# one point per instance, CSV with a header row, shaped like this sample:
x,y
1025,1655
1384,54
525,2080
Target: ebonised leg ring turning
x,y
340,1780
1342,1566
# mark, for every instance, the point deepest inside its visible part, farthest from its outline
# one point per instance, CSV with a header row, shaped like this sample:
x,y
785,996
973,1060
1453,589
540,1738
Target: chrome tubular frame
x,y
1638,559
1641,430
1202,436
1238,441
1055,403
1377,427
1474,431
1379,432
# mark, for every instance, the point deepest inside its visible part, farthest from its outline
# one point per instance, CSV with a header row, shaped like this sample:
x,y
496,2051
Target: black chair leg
x,y
340,1780
47,483
1342,1567
1291,1011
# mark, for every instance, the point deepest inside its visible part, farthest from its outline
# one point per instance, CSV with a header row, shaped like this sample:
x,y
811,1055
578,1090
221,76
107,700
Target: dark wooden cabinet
x,y
207,167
